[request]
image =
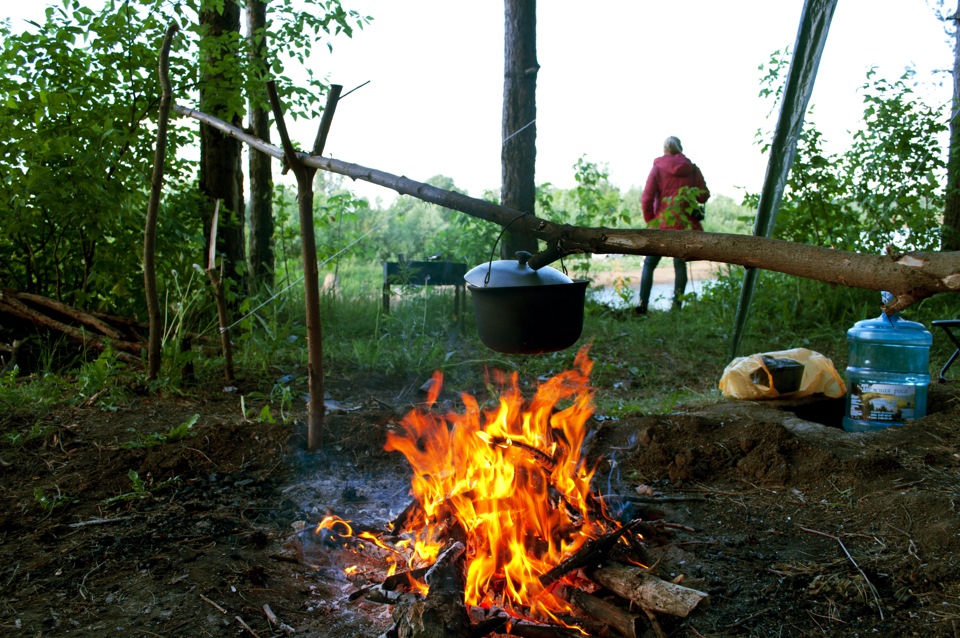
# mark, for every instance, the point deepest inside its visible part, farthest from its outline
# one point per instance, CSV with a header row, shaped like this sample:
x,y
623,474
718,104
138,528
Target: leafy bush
x,y
885,190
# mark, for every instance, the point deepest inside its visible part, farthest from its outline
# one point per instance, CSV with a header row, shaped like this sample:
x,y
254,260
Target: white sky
x,y
615,80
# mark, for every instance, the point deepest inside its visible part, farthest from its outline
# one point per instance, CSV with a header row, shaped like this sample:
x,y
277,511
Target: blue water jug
x,y
888,373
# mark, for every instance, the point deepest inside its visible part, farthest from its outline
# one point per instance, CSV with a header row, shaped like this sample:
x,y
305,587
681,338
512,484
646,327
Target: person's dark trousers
x,y
646,281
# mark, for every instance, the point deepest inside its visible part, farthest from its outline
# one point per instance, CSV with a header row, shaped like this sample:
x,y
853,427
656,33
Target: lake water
x,y
661,295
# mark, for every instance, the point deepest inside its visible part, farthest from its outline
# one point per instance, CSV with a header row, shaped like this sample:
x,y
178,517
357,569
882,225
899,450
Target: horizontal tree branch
x,y
910,277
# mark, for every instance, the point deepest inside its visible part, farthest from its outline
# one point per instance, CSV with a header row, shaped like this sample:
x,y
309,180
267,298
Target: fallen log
x,y
910,277
128,352
647,591
77,315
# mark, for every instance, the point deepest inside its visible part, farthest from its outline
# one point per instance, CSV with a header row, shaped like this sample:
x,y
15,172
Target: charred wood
x,y
442,612
543,459
410,512
527,629
625,623
592,553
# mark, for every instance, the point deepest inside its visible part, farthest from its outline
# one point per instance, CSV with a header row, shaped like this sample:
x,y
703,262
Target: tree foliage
x,y
77,131
76,127
885,190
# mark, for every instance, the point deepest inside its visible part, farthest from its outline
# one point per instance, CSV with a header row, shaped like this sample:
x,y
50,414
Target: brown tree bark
x,y
153,207
262,259
950,237
518,155
911,277
126,351
221,176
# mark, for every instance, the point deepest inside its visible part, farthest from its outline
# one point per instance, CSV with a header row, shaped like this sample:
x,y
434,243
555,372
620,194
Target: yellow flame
x,y
512,478
329,522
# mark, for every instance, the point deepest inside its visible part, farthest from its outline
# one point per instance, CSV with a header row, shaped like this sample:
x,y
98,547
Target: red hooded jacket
x,y
669,174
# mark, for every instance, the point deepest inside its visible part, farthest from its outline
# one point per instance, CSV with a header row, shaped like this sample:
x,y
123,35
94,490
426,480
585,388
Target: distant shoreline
x,y
698,270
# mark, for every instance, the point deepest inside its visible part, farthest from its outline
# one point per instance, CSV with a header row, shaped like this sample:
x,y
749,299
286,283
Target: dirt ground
x,y
793,528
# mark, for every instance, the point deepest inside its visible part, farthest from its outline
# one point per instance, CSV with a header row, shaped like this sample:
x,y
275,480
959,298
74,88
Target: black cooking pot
x,y
520,310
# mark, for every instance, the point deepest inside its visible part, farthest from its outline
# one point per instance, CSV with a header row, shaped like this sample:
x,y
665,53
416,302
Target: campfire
x,y
504,534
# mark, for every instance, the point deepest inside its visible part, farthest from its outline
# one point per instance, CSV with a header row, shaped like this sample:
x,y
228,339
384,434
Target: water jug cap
x,y
890,329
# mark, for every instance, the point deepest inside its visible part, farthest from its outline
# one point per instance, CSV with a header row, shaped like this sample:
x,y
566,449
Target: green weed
x,y
141,489
102,379
19,439
49,502
173,435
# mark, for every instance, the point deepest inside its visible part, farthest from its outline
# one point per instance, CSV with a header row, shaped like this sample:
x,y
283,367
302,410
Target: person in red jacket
x,y
673,196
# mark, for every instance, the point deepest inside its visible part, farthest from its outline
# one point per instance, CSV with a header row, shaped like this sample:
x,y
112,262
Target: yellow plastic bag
x,y
759,375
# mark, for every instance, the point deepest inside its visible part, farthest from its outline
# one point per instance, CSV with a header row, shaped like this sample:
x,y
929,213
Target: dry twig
x,y
212,604
873,590
246,626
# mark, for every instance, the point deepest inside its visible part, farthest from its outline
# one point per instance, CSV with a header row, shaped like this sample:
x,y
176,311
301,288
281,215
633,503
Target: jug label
x,y
882,401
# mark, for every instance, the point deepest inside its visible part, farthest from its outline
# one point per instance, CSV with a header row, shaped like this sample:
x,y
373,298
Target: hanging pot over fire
x,y
520,310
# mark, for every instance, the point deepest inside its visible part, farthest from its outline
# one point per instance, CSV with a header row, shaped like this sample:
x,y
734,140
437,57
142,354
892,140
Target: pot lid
x,y
504,273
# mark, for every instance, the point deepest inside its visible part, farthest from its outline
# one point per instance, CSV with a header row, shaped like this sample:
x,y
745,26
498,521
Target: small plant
x,y
173,435
283,393
141,489
100,379
266,416
19,439
50,502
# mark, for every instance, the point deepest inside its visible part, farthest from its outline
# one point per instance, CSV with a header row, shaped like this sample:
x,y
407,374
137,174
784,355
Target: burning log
x,y
595,551
527,629
412,511
392,588
622,621
650,593
546,461
442,613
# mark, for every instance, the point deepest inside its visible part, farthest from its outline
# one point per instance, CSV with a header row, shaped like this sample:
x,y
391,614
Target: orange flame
x,y
512,478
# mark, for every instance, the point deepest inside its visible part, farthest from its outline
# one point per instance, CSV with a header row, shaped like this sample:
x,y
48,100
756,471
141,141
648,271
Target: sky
x,y
614,81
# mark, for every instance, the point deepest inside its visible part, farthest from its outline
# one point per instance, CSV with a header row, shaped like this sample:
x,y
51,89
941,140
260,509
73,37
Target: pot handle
x,y
486,278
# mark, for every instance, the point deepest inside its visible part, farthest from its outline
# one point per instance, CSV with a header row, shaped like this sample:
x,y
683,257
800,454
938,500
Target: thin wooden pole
x,y
153,207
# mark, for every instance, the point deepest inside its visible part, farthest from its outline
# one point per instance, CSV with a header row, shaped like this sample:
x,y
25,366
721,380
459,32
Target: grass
x,y
646,364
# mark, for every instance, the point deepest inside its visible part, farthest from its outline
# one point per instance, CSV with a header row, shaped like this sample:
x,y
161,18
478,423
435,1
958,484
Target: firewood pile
x,y
609,587
23,313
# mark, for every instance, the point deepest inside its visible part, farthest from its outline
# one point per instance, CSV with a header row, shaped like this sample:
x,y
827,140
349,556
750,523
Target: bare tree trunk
x,y
261,173
950,237
518,155
221,176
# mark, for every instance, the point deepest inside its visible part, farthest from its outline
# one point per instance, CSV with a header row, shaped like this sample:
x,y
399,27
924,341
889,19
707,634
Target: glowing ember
x,y
512,479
